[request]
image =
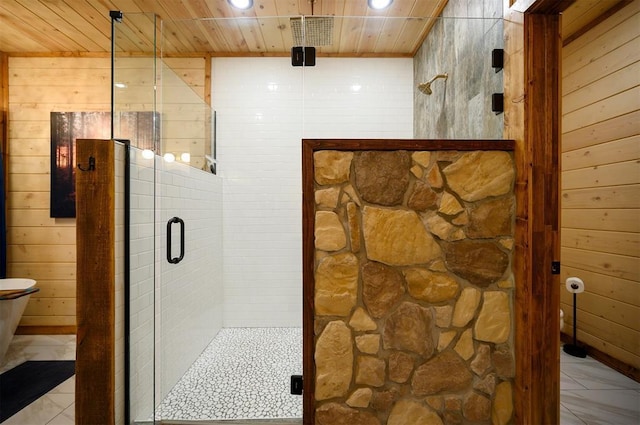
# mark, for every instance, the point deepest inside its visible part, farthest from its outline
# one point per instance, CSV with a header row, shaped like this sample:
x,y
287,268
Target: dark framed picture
x,y
66,127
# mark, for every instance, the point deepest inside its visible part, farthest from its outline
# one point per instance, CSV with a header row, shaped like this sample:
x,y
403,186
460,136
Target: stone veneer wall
x,y
413,287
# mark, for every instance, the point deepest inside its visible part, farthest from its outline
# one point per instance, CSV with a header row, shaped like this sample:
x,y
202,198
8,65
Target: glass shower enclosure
x,y
214,212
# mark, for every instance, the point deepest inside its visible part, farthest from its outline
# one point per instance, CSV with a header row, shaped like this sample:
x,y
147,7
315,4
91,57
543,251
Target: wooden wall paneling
x,y
579,13
58,76
597,15
60,271
20,164
95,359
24,200
602,154
609,286
591,326
622,243
620,173
48,325
57,306
608,42
603,110
598,349
610,197
616,128
618,82
601,222
622,266
41,247
621,220
597,31
615,59
604,330
58,288
45,253
620,313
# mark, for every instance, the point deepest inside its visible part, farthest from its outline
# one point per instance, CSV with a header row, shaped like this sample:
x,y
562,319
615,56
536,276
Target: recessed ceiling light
x,y
379,4
241,4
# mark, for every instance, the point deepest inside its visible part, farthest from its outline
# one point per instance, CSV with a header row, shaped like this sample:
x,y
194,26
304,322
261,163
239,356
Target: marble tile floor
x,y
57,407
594,394
590,393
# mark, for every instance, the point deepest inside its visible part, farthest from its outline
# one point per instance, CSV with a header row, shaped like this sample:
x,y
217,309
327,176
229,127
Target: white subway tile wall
x,y
264,108
141,288
188,294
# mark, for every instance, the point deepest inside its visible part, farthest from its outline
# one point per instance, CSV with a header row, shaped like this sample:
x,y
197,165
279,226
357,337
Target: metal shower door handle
x,y
175,260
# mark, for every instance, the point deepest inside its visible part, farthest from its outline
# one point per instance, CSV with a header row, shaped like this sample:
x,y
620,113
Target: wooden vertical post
x,y
532,119
95,238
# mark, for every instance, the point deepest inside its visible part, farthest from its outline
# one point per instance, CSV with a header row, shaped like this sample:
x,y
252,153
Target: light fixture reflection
x,y
169,157
120,85
241,4
185,157
379,4
148,154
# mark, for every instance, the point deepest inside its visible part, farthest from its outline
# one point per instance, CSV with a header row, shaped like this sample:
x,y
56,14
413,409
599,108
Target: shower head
x,y
426,87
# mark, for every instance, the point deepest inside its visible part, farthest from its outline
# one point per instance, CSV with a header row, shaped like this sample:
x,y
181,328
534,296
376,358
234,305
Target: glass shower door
x,y
136,126
251,284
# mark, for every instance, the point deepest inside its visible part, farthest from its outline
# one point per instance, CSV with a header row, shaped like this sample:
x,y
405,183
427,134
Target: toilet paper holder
x,y
575,285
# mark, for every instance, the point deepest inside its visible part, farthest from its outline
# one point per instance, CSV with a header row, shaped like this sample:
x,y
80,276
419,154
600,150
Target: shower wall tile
x,y
141,287
460,107
264,108
188,294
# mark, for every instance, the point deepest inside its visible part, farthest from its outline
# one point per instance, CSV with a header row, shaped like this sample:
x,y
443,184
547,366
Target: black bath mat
x,y
29,381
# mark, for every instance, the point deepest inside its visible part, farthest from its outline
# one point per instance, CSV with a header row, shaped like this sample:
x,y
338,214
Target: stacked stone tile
x,y
413,287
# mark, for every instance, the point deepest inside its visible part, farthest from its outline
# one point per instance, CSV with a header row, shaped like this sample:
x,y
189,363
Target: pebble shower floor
x,y
243,374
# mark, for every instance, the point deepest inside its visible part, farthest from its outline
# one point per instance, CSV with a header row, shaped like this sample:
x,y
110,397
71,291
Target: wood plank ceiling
x,y
84,27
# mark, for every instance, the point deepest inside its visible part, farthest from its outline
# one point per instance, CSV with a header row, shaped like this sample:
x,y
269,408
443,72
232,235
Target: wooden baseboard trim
x,y
606,359
46,330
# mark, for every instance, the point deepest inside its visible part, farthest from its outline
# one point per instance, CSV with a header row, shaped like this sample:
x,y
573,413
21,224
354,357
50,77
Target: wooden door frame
x,y
533,46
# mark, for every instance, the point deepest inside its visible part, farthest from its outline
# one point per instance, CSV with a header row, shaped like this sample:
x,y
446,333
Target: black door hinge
x,y
296,384
555,267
